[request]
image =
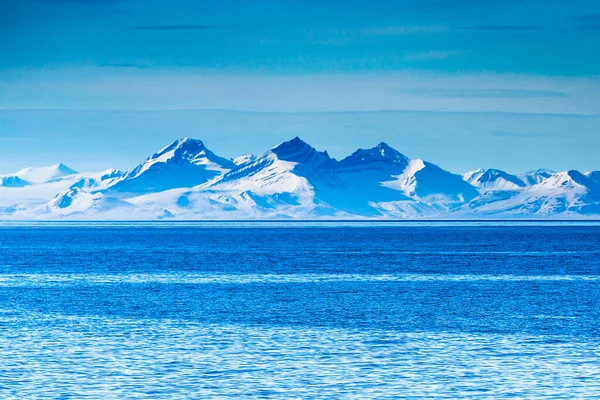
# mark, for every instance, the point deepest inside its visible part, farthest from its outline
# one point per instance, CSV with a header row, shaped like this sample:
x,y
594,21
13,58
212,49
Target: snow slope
x,y
45,174
244,158
78,203
568,193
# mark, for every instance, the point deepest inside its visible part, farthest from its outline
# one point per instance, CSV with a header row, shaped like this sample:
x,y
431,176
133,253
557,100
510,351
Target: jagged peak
x,y
184,153
185,143
536,176
494,179
383,145
297,150
190,141
187,150
381,151
296,142
566,179
493,173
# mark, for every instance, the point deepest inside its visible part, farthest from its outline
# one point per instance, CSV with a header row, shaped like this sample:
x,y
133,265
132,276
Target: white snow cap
x,y
45,174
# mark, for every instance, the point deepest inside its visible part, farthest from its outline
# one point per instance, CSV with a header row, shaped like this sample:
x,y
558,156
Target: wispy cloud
x,y
153,64
588,22
402,30
431,55
342,37
123,65
501,28
137,53
519,135
588,27
193,27
481,93
584,22
585,18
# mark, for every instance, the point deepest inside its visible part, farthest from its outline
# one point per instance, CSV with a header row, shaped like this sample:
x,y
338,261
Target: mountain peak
x,y
385,150
381,152
190,141
536,176
493,179
44,174
186,150
568,180
294,143
297,150
59,166
185,179
63,168
184,145
185,162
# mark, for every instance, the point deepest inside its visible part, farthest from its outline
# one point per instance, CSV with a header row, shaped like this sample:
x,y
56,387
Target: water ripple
x,y
56,356
32,280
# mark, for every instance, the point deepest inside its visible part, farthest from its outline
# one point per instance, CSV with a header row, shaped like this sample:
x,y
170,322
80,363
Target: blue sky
x,y
511,84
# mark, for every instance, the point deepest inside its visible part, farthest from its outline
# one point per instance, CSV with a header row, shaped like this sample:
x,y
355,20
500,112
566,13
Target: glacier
x,y
187,181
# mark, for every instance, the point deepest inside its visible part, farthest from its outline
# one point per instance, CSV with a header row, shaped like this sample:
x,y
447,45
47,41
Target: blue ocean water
x,y
299,310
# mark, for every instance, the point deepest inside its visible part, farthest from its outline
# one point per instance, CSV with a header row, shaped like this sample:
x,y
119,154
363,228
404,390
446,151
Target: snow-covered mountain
x,y
45,174
186,180
494,179
568,193
380,180
78,201
534,177
183,163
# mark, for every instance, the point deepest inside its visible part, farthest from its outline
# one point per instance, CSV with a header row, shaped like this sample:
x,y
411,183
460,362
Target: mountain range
x,y
185,180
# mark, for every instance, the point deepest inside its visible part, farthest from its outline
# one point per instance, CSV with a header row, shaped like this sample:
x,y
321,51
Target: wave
x,y
25,280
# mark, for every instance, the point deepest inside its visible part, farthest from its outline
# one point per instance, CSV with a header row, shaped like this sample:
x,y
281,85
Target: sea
x,y
299,310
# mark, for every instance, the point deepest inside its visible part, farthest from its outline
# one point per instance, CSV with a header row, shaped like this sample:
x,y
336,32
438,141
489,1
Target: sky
x,y
512,84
